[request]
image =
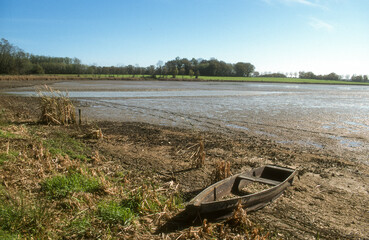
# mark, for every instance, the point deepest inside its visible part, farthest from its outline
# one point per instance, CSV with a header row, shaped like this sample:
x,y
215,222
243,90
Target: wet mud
x,y
328,200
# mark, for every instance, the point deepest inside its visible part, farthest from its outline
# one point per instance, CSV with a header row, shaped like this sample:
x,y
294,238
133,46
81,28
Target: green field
x,y
217,78
178,78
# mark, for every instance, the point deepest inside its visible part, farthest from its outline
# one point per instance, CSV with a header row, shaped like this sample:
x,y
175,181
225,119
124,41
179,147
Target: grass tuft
x,y
19,217
78,227
114,212
62,144
10,156
7,135
4,235
60,186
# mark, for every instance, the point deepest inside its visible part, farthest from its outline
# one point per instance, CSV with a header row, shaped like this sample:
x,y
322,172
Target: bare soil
x,y
328,200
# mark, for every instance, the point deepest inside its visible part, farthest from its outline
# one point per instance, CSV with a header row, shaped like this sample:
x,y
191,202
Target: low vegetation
x,y
55,185
56,107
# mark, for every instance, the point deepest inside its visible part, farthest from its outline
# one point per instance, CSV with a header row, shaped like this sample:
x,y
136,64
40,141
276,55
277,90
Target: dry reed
x,y
222,170
56,107
198,158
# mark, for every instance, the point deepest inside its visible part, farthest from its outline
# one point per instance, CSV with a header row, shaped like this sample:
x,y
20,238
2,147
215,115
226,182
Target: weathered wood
x,y
260,180
209,202
80,116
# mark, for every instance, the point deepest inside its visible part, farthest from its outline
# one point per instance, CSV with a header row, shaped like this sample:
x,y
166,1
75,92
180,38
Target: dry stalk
x,y
56,107
7,148
240,222
96,134
198,158
222,170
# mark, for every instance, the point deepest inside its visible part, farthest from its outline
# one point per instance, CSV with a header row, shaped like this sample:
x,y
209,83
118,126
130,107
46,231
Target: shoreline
x,y
329,198
47,78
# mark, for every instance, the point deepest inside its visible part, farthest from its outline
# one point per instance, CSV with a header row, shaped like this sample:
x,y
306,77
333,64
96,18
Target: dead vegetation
x,y
237,227
198,157
328,202
222,170
48,172
56,107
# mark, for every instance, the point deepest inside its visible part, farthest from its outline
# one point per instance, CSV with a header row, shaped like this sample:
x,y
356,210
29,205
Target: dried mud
x,y
328,200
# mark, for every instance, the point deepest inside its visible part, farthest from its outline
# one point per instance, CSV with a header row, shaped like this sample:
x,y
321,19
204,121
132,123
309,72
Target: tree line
x,y
14,60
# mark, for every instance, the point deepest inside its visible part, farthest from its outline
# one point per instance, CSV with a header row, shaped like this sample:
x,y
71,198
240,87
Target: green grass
x,y
220,78
5,235
62,185
11,156
7,135
63,144
276,80
115,212
78,227
18,217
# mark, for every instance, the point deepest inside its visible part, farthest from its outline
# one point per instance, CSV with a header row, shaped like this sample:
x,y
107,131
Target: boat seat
x,y
261,180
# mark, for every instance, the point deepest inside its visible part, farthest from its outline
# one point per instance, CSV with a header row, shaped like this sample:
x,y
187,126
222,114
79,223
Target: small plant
x,y
114,212
56,107
62,185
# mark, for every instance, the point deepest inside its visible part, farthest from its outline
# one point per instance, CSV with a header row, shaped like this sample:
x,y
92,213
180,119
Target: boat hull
x,y
210,203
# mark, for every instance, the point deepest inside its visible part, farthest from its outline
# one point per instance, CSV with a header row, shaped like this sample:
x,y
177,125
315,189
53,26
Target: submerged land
x,y
78,181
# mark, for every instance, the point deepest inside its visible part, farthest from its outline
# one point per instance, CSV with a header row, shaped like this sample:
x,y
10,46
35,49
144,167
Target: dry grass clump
x,y
240,223
198,157
56,107
238,226
222,171
96,134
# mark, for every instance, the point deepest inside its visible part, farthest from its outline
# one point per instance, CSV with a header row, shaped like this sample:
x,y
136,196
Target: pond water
x,y
317,116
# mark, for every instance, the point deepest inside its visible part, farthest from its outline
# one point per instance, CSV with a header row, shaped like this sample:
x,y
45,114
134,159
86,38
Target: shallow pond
x,y
317,116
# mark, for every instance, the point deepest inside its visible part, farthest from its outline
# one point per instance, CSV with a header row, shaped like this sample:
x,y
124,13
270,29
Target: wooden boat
x,y
222,197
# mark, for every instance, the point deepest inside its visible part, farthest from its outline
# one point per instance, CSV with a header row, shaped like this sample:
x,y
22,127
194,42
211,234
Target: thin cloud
x,y
310,3
304,2
320,24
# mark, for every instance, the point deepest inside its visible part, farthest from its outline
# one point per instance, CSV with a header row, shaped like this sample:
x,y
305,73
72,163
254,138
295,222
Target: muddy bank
x,y
329,198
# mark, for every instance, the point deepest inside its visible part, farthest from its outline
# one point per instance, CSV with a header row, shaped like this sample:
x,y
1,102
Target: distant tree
x,y
307,75
182,72
131,70
151,71
159,67
331,76
165,72
191,73
37,69
197,74
357,78
365,78
174,72
275,75
244,69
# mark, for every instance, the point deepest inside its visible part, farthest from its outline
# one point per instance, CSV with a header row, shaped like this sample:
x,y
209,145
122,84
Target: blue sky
x,y
322,36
